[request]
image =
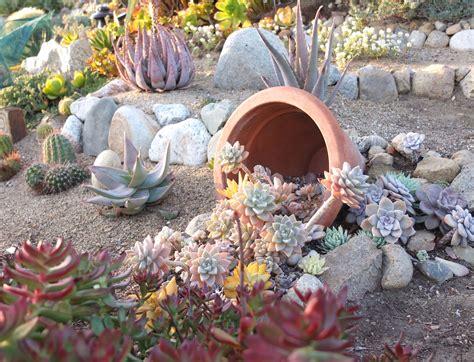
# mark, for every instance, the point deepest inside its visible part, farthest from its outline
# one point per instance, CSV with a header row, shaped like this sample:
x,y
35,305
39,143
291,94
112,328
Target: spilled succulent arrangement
x,y
10,162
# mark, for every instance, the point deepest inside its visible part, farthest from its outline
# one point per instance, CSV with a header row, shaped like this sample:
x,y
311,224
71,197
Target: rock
x,y
138,127
426,28
439,25
112,88
349,87
466,254
374,150
376,84
212,146
198,223
453,29
95,136
366,142
463,40
437,169
357,264
171,113
437,39
403,80
12,122
107,158
422,240
457,269
245,59
397,267
334,75
72,129
463,183
431,153
463,157
378,170
434,270
381,159
467,85
306,283
435,81
81,107
188,143
65,59
461,73
215,115
417,39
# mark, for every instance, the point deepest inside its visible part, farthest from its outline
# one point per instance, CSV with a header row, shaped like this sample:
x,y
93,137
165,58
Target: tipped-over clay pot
x,y
290,131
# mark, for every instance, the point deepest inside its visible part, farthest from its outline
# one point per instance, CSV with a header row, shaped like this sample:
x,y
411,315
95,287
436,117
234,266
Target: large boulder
x,y
82,106
403,80
417,39
376,84
356,264
397,267
437,39
167,114
112,88
97,119
435,81
349,87
436,169
188,143
464,184
139,128
72,129
463,40
467,85
215,115
245,59
212,146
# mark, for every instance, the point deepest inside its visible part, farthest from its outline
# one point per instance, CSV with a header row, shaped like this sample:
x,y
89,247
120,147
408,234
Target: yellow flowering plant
x,y
253,273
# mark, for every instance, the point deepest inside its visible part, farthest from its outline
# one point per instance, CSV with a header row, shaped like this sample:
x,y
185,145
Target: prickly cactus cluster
x,y
10,162
50,180
58,150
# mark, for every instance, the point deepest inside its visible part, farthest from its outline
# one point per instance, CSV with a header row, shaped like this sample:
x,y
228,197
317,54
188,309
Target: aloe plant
x,y
301,71
128,191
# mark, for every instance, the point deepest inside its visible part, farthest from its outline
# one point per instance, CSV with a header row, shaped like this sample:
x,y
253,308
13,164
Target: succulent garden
x,y
236,180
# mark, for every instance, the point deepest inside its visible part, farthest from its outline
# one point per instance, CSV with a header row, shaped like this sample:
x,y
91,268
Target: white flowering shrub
x,y
203,39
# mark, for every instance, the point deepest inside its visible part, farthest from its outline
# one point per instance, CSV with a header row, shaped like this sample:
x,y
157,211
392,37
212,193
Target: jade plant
x,y
301,71
130,190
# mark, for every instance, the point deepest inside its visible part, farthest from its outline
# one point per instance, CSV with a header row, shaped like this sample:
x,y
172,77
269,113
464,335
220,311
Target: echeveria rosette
x,y
209,265
389,220
436,203
255,203
231,157
348,185
151,256
374,194
412,142
395,190
285,234
356,215
462,223
128,191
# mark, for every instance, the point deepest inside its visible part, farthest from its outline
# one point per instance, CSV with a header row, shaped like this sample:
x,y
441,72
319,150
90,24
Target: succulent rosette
x,y
462,223
209,265
150,256
231,157
286,234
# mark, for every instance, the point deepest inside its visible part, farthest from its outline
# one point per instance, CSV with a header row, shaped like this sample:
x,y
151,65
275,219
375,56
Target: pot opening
x,y
284,138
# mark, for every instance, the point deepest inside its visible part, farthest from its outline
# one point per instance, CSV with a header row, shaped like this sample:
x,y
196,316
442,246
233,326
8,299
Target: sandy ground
x,y
440,319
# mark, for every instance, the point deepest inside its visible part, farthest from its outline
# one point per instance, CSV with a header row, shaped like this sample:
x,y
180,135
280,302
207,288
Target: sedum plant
x,y
389,220
334,237
462,223
301,71
157,60
130,190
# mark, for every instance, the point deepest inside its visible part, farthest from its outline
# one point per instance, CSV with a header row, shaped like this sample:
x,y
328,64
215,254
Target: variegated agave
x,y
157,60
301,71
128,191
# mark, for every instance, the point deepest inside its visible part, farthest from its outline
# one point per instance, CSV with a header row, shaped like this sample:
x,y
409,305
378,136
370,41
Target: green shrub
x,y
444,10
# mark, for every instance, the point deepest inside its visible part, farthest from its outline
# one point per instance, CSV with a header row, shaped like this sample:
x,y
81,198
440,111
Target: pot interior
x,y
282,137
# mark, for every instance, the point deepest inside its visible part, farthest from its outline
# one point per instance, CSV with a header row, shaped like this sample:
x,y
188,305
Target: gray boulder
x,y
305,284
453,29
349,87
138,127
72,129
437,39
245,59
403,80
436,169
188,143
434,270
435,81
463,157
82,106
97,121
463,40
197,223
417,39
376,85
212,146
357,264
215,115
422,240
397,267
167,114
464,184
112,88
467,85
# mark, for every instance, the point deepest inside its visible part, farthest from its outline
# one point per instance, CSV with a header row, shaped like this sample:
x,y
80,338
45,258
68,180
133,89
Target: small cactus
x,y
78,175
9,166
6,145
58,149
57,179
44,130
35,176
64,106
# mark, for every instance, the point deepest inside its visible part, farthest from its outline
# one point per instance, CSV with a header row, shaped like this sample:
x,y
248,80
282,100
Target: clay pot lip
x,y
299,99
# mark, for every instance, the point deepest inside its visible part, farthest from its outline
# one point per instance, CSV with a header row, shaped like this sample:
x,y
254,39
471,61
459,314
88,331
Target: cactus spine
x,y
44,130
57,179
58,149
6,145
35,176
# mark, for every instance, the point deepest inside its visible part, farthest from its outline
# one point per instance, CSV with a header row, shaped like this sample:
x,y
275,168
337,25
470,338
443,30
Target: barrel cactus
x,y
77,173
130,190
58,149
64,106
6,144
57,179
35,176
44,130
9,166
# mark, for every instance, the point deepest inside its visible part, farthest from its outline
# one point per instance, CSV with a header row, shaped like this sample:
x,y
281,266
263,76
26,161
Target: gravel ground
x,y
416,310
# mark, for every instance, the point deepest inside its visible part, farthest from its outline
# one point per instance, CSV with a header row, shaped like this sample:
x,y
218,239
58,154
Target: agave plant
x,y
128,191
301,71
157,60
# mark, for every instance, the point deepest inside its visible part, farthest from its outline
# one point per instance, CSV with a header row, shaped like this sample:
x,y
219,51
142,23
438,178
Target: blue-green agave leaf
x,y
121,192
138,200
139,173
313,73
159,172
158,192
111,178
104,201
130,154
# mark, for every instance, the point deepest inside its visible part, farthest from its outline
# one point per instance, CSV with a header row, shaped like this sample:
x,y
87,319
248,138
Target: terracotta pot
x,y
291,132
